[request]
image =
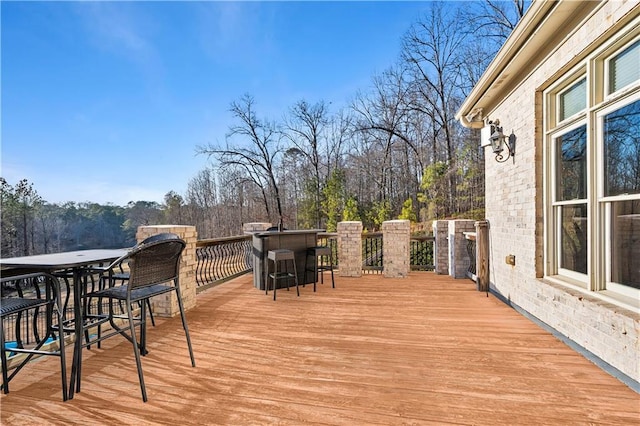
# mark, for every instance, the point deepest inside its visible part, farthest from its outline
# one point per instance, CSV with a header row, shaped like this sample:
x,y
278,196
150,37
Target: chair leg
x,y
143,328
266,277
3,355
315,277
153,321
275,278
61,349
184,324
333,283
136,353
295,277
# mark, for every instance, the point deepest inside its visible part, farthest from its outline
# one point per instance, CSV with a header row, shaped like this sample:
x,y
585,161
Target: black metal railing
x,y
220,259
421,253
471,251
372,252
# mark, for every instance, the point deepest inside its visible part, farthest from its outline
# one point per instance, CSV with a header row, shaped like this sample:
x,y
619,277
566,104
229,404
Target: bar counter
x,y
298,240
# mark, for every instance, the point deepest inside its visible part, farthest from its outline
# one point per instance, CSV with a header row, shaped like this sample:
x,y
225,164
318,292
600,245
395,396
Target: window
x,y
573,100
593,173
624,68
571,199
620,197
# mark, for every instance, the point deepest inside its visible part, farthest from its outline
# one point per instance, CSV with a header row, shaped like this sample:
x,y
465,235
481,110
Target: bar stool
x,y
277,256
319,254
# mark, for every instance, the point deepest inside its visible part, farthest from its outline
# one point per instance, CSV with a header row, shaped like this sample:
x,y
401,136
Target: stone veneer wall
x,y
167,304
396,250
350,249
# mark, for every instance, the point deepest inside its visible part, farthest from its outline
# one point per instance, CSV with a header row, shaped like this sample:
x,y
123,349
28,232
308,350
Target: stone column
x,y
167,304
350,249
458,255
441,246
396,237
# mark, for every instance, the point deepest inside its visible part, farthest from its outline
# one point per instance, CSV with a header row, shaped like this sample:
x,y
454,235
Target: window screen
x,y
624,68
573,100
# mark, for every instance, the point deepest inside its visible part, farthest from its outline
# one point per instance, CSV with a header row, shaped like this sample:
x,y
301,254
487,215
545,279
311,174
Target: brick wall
x,y
396,249
514,209
167,304
441,246
350,249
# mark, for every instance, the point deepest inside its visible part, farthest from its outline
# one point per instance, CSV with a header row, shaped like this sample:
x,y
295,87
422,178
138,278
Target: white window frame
x,y
607,89
604,202
558,101
599,103
556,213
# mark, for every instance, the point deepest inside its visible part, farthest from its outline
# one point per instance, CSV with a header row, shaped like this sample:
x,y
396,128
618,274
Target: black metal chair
x,y
123,275
24,297
154,266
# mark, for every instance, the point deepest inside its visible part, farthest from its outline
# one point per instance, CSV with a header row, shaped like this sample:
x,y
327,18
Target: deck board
x,y
426,349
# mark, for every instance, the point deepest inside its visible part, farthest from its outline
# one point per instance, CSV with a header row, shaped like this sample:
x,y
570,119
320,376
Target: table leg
x,y
76,367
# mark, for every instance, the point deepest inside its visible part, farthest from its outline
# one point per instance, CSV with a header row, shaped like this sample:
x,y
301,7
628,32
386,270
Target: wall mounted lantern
x,y
499,141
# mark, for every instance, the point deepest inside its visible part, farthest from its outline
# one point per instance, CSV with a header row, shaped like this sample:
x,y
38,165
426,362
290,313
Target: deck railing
x,y
421,253
471,251
372,253
221,259
420,256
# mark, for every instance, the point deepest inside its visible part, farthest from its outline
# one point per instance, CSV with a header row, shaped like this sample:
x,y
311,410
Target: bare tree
x,y
386,115
495,19
304,127
256,152
431,49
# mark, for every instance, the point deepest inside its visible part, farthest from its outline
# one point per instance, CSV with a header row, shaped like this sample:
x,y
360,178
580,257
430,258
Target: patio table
x,y
77,262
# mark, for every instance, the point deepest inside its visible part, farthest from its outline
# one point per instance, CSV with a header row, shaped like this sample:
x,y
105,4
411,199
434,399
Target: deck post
x,y
441,246
166,305
350,249
482,255
396,248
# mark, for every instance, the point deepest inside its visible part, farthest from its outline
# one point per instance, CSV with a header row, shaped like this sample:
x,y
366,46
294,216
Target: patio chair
x,y
280,257
153,270
25,298
93,310
122,276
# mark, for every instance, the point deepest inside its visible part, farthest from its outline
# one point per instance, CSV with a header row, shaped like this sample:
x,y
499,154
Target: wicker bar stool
x,y
322,261
278,256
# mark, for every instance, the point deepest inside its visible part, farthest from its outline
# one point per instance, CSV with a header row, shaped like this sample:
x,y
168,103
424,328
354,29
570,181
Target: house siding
x,y
514,209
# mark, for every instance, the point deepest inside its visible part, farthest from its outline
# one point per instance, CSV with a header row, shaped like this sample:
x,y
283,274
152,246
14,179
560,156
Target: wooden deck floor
x,y
423,350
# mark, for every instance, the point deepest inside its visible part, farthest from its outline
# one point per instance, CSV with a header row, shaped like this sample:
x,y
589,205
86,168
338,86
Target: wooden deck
x,y
373,351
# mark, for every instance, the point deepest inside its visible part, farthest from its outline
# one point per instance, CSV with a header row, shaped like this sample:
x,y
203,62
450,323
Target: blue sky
x,y
106,101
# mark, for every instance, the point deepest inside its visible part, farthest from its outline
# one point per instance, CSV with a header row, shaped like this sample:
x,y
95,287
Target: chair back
x,y
155,260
